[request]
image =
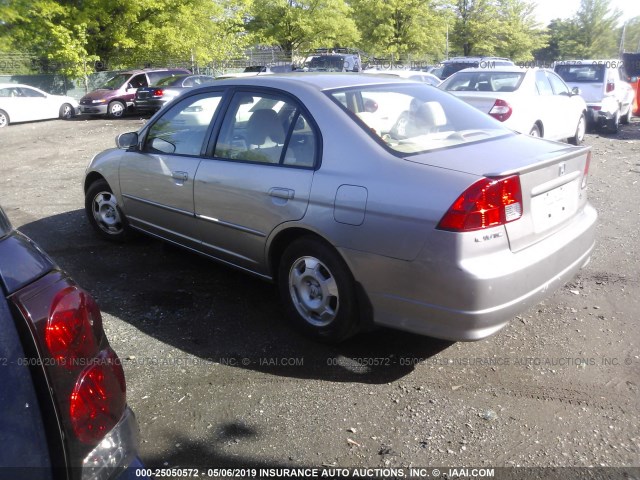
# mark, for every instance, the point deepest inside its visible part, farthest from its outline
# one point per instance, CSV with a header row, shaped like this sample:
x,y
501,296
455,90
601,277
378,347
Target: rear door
x,y
565,110
259,176
157,181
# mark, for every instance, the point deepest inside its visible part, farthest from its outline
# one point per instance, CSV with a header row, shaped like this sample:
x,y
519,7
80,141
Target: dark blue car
x,y
63,413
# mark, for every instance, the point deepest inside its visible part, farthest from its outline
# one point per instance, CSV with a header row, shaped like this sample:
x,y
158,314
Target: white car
x,y
409,74
601,82
23,103
534,101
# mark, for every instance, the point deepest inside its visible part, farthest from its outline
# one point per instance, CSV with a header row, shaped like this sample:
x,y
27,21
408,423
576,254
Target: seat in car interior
x,y
265,136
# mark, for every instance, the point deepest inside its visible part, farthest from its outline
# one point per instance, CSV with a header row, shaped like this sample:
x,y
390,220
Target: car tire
x,y
4,119
626,118
104,214
318,291
116,109
66,111
535,131
614,124
581,129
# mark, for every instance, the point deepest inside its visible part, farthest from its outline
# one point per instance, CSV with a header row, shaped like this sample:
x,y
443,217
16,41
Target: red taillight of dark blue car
x,y
84,373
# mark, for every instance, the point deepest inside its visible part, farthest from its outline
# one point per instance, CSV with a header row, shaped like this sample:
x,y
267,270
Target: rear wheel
x,y
578,137
614,123
535,131
66,111
624,119
4,119
104,214
318,291
116,109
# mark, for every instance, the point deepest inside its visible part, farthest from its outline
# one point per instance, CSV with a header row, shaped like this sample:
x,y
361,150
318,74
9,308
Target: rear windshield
x,y
171,80
483,82
414,118
581,73
328,63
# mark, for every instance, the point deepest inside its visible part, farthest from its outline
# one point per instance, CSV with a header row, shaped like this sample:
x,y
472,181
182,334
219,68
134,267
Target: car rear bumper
x,y
150,105
472,299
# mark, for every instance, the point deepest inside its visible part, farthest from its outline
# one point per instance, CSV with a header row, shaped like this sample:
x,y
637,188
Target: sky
x,y
549,9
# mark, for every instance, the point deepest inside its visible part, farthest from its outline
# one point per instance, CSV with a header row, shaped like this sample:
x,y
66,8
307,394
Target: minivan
x,y
116,96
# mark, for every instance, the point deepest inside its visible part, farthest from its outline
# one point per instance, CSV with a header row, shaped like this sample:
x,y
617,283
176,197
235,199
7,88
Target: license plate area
x,y
551,208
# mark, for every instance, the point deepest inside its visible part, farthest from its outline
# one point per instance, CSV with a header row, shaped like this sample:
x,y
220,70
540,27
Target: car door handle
x,y
284,193
182,176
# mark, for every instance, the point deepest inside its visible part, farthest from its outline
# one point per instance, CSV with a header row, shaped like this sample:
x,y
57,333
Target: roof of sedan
x,y
503,69
317,81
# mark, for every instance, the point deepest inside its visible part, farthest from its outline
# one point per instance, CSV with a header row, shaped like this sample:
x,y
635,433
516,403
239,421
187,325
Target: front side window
x,y
116,82
266,129
559,87
182,128
416,118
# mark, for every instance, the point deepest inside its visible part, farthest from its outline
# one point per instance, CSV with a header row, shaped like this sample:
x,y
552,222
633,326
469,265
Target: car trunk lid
x,y
483,101
552,178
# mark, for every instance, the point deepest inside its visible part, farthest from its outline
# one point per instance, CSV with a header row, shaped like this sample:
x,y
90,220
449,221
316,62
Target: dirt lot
x,y
217,379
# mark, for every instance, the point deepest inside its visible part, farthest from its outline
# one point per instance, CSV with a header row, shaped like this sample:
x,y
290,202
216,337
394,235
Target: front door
x,y
157,182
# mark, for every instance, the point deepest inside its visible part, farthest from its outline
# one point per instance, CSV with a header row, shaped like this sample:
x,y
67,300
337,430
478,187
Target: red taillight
x,y
487,203
69,333
158,92
501,110
585,174
98,399
596,108
611,87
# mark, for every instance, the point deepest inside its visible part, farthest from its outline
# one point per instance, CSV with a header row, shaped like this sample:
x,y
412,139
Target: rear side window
x,y
542,84
266,128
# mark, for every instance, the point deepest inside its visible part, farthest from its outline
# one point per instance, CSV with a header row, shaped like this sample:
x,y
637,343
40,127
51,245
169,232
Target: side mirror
x,y
127,140
576,91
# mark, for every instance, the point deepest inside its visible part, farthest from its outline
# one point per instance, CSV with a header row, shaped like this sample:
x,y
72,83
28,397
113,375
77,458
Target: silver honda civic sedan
x,y
368,201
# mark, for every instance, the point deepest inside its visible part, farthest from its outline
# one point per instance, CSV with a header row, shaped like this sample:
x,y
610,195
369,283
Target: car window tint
x,y
182,129
301,150
139,81
413,118
28,92
542,83
559,87
255,129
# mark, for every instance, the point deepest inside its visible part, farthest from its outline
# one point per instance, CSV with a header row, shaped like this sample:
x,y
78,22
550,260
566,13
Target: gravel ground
x,y
216,378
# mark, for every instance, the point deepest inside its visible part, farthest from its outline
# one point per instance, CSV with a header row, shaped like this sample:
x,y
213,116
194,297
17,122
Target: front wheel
x,y
66,111
578,137
318,291
116,109
4,119
104,214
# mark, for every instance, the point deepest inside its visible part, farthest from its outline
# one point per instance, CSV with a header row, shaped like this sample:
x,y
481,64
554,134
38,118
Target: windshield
x,y
414,118
116,82
326,63
483,82
581,73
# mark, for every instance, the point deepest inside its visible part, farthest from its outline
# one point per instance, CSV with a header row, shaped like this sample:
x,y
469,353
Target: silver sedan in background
x,y
368,200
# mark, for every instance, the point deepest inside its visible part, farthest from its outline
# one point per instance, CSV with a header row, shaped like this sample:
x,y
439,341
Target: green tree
x,y
476,27
400,27
632,35
303,24
593,32
518,36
